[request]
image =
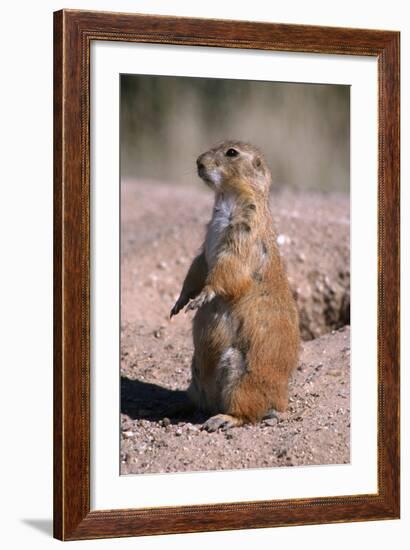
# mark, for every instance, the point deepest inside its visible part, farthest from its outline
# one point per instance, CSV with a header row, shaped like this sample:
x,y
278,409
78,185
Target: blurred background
x,y
303,129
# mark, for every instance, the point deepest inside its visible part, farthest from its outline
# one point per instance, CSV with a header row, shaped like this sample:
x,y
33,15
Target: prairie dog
x,y
245,330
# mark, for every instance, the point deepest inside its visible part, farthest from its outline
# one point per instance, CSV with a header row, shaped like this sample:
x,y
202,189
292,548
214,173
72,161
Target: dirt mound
x,y
314,239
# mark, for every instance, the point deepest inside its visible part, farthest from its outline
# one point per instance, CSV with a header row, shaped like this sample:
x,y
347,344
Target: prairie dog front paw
x,y
203,298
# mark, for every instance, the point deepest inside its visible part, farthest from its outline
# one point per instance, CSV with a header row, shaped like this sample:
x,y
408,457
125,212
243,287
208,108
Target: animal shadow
x,y
144,400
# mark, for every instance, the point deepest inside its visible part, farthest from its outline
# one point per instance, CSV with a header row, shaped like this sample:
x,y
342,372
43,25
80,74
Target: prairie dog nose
x,y
200,166
199,162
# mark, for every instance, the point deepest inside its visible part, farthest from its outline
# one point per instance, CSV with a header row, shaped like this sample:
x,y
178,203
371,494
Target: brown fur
x,y
245,330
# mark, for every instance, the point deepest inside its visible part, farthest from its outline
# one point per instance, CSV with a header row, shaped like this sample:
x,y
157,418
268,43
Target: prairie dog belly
x,y
221,217
218,362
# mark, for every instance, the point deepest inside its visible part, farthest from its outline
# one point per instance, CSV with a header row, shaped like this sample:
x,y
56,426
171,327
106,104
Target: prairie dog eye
x,y
231,152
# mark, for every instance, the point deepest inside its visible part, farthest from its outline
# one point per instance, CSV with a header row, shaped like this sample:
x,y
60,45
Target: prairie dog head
x,y
234,166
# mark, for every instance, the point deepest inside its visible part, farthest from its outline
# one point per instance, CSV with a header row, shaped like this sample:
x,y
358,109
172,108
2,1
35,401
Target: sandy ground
x,y
162,229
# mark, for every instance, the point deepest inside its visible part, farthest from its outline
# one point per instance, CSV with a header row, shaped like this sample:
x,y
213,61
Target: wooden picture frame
x,y
73,33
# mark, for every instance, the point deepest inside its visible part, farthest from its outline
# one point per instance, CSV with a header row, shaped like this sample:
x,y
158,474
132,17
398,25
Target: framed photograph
x,y
226,275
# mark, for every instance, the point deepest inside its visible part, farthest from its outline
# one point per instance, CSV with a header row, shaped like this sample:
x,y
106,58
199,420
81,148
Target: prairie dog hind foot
x,y
221,422
226,421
